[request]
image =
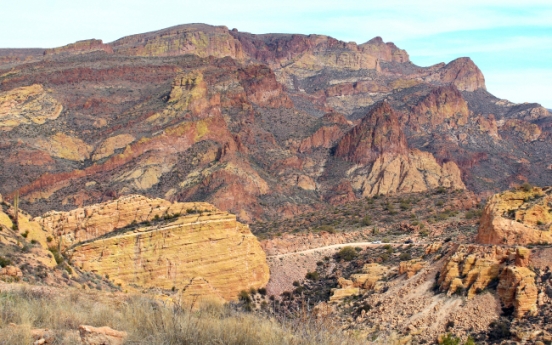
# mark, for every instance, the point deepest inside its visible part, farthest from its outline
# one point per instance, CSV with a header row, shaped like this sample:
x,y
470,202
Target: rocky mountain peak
x,y
379,132
464,74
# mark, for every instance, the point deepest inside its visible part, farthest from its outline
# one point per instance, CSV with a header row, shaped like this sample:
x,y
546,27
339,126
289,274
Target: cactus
x,y
16,211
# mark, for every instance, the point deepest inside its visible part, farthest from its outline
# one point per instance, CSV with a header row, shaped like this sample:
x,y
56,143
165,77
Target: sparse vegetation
x,y
347,253
150,321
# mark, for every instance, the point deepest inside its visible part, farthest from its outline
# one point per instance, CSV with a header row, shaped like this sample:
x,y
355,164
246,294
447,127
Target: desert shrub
x,y
150,321
312,276
4,261
57,255
405,256
347,253
243,296
527,187
450,339
367,220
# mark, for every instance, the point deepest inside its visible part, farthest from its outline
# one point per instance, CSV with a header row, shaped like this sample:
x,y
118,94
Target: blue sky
x,y
511,41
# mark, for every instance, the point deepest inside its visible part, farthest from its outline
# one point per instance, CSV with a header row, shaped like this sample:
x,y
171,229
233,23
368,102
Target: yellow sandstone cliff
x,y
145,243
519,217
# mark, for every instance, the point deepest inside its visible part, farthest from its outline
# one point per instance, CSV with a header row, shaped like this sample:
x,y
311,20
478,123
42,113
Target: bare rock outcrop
x,y
474,268
517,217
90,222
379,133
411,267
464,74
80,47
202,253
27,105
101,335
444,104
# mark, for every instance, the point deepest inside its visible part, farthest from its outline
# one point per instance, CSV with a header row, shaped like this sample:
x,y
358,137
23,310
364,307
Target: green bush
x,y
243,296
4,261
57,255
347,253
312,276
405,256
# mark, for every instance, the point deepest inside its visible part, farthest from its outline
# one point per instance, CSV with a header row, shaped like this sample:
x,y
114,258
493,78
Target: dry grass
x,y
150,321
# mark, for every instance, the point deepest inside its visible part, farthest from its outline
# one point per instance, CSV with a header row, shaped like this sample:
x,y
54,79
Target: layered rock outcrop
x,y
90,222
81,47
474,268
199,39
27,105
204,256
517,217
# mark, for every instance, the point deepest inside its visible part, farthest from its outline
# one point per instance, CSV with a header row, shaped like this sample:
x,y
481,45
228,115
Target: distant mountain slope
x,y
260,125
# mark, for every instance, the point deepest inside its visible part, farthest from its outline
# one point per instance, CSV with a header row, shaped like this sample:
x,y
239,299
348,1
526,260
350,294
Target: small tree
x,y
347,253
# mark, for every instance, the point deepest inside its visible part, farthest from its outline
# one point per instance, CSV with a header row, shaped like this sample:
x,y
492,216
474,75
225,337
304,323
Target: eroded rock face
x,y
205,255
81,47
379,133
27,105
416,172
517,289
517,217
411,267
473,268
90,222
108,146
464,74
65,146
199,39
262,88
443,104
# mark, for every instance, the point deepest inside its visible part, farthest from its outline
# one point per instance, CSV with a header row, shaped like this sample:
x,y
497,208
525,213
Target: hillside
x,y
264,126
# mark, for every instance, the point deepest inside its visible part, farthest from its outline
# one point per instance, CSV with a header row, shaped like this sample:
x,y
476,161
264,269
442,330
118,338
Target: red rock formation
x,y
379,132
262,88
324,137
81,47
443,104
464,74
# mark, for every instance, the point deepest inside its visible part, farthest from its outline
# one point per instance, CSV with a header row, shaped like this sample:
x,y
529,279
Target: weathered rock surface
x,y
205,255
379,133
444,104
517,289
27,105
464,74
80,47
107,147
90,222
64,146
416,172
474,268
517,217
101,335
411,267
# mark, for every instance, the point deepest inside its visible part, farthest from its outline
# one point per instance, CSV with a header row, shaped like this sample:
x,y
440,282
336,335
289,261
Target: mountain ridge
x,y
203,113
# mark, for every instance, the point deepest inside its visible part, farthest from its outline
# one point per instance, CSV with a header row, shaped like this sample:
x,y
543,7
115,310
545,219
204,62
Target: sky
x,y
510,41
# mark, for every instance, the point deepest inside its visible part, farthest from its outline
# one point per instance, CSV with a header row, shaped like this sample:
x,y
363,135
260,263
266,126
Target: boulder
x,y
101,336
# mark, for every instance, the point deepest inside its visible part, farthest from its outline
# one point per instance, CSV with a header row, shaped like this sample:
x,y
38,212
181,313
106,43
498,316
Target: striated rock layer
x,y
474,268
522,216
205,255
